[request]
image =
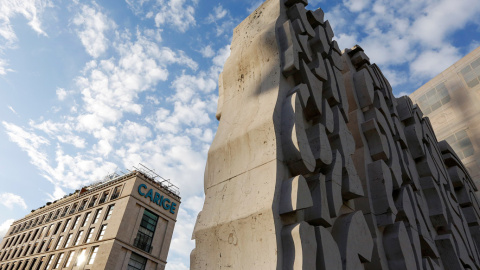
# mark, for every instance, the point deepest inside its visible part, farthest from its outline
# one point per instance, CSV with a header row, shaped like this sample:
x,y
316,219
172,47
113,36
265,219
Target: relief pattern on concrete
x,y
316,165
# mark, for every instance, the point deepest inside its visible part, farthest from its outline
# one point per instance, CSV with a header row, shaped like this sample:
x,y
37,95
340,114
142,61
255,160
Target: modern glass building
x,y
123,223
451,101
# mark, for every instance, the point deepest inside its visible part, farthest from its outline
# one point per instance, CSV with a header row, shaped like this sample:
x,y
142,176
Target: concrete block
x,y
328,255
299,247
354,240
295,195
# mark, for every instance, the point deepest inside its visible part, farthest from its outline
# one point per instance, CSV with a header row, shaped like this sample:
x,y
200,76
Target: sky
x,y
89,88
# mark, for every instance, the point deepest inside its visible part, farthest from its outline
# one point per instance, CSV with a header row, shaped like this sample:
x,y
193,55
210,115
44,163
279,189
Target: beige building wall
x,y
451,101
106,228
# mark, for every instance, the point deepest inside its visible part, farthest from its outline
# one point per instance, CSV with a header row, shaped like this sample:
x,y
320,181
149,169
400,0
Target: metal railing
x,y
143,242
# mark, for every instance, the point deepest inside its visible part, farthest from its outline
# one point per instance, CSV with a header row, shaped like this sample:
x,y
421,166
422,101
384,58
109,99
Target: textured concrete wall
x,y
316,165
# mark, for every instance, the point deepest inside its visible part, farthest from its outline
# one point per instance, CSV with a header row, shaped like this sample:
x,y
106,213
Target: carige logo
x,y
157,198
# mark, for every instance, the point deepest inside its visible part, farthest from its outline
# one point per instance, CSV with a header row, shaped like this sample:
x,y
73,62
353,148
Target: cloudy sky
x,y
88,88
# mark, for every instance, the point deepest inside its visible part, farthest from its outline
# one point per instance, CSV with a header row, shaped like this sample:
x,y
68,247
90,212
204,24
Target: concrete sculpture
x,y
316,165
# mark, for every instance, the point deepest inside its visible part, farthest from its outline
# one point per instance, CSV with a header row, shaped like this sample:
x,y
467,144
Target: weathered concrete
x,y
316,165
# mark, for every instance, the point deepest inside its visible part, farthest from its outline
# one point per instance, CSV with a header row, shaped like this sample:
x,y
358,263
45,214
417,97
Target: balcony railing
x,y
143,242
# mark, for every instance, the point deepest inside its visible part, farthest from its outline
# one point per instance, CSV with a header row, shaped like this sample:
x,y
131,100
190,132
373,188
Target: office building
x,y
451,101
126,222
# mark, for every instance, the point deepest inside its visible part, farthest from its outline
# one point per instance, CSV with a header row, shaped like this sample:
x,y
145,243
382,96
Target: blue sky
x,y
88,88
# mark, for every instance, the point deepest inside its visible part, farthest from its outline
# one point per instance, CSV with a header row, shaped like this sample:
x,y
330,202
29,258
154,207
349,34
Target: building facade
x,y
124,223
451,101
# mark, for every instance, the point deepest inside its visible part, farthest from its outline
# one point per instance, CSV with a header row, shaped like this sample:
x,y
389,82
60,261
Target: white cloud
x,y
11,109
92,26
3,66
29,9
207,51
61,94
218,13
176,13
4,227
9,200
475,44
356,5
254,5
431,62
441,18
58,193
222,56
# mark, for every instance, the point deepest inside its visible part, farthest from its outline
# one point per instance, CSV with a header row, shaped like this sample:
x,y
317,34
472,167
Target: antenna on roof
x,y
164,182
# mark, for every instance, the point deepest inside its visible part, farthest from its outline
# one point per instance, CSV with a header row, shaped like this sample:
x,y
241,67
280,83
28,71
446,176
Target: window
x,y
76,222
35,234
146,231
93,255
471,73
50,243
87,217
137,262
79,237
33,263
69,237
58,227
59,242
56,214
116,193
461,144
64,212
72,210
50,261
97,216
49,230
93,201
34,248
104,197
41,246
40,263
59,261
89,235
48,218
102,232
26,250
109,212
434,99
6,242
41,220
69,260
82,206
81,257
21,238
66,224
40,234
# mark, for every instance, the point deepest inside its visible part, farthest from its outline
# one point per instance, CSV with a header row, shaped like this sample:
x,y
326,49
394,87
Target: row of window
x,y
20,239
58,261
434,98
471,73
461,144
69,210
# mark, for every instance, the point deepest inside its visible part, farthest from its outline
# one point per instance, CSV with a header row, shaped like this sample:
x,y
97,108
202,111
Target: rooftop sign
x,y
156,198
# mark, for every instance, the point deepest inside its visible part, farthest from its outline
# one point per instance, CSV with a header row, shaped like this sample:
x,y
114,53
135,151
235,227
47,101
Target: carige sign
x,y
157,198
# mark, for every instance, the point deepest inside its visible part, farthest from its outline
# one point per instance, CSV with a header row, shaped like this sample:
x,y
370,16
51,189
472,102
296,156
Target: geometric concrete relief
x,y
316,165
